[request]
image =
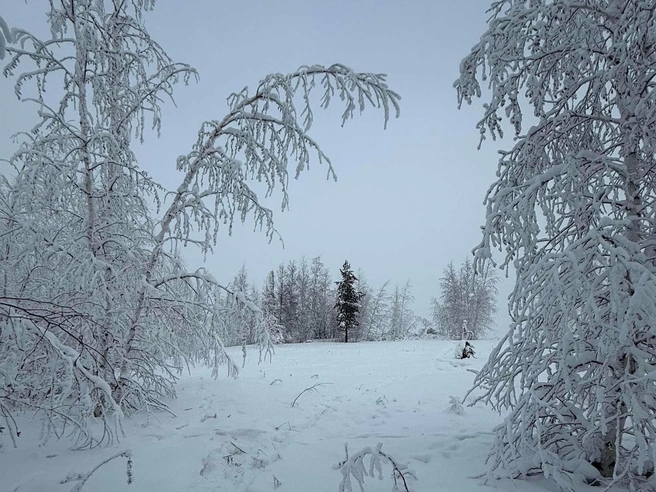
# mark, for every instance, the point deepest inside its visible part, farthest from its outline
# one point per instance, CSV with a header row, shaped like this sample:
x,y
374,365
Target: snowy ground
x,y
244,435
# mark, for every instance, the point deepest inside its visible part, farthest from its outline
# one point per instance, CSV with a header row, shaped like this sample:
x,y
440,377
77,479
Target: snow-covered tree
x,y
241,326
321,300
268,302
291,307
574,211
401,317
363,287
467,302
348,301
376,314
303,296
299,296
97,311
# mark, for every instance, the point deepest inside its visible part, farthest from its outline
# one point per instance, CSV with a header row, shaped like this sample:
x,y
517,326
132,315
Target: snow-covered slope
x,y
244,435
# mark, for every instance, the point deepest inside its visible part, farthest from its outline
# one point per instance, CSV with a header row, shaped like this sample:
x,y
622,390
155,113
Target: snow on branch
x,y
257,139
6,37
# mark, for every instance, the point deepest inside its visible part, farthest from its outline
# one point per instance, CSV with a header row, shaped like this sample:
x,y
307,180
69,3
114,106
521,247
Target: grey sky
x,y
416,188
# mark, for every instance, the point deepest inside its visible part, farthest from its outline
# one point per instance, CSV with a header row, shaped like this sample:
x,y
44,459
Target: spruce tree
x,y
348,301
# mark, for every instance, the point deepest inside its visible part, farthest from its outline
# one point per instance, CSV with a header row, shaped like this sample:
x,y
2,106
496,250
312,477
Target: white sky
x,y
408,199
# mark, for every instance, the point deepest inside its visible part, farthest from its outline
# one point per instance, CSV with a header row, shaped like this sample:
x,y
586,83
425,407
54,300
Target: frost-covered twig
x,y
354,467
83,477
311,388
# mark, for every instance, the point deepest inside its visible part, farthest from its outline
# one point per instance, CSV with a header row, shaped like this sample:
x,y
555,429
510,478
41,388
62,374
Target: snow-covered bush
x,y
464,350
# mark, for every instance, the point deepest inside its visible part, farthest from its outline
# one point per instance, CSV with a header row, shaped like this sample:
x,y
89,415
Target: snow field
x,y
244,435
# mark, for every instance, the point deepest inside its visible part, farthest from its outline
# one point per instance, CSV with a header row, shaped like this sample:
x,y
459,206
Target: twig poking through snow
x,y
208,417
311,388
240,451
83,477
279,426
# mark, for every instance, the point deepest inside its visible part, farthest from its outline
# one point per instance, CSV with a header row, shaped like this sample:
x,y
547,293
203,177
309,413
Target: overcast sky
x,y
408,199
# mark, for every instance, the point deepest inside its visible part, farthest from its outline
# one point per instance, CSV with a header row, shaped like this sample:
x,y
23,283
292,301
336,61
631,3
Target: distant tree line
x,y
298,300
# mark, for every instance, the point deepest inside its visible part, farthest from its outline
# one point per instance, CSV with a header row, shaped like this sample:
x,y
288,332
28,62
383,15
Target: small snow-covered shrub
x,y
455,405
354,467
464,350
